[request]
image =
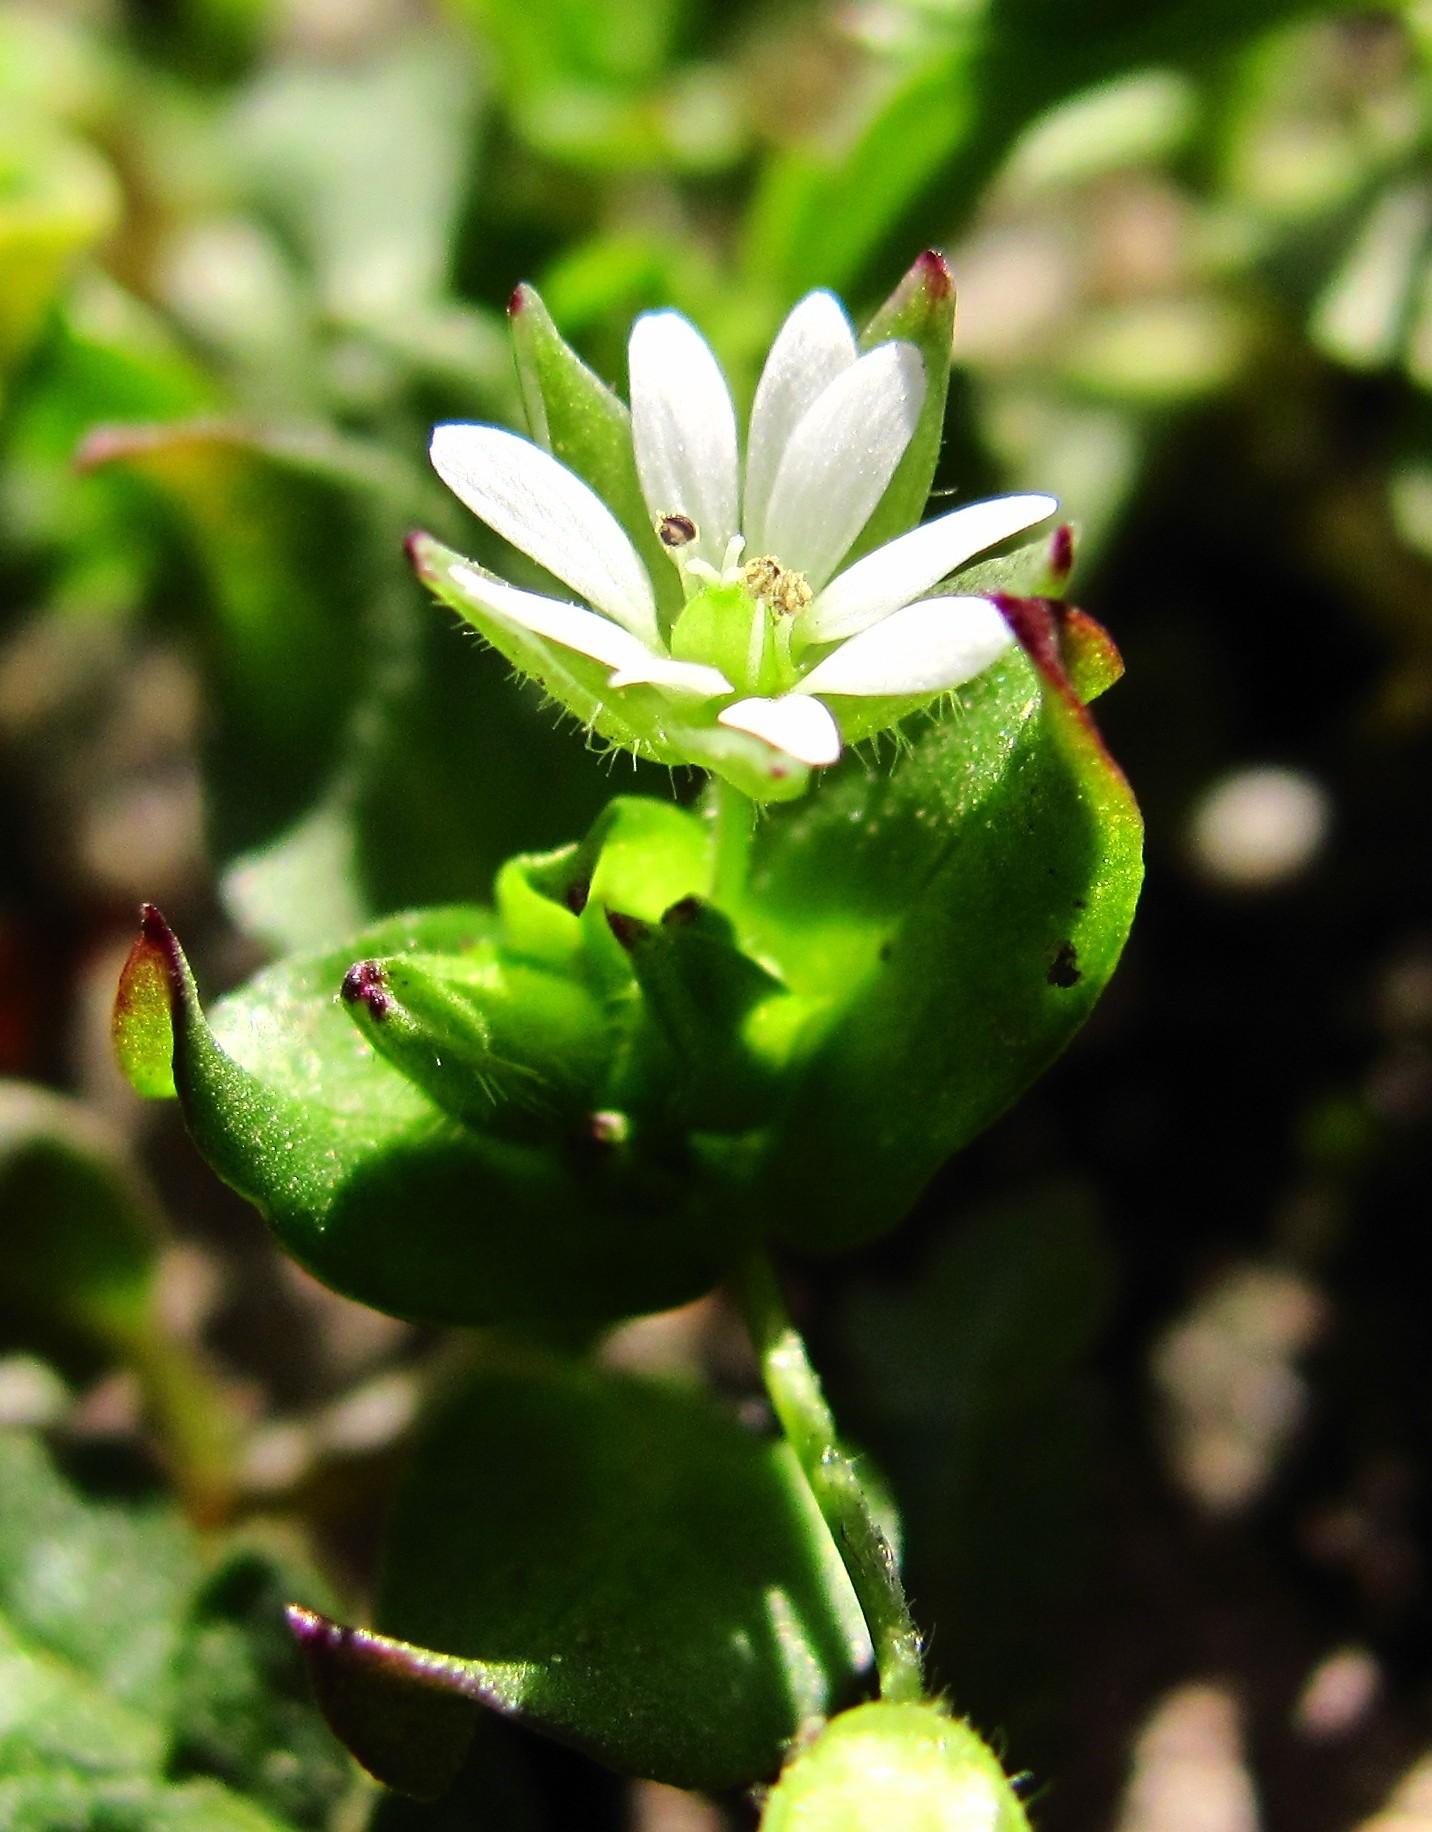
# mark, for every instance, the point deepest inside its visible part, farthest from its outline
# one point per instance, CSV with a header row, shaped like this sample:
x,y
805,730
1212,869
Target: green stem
x,y
734,819
795,1393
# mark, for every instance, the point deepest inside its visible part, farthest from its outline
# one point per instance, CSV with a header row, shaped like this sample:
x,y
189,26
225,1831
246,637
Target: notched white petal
x,y
684,429
903,568
925,648
841,456
795,723
569,624
813,346
693,678
590,634
544,509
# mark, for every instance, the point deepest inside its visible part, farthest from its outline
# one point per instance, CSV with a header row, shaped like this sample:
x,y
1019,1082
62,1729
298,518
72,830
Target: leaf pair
x,y
592,1103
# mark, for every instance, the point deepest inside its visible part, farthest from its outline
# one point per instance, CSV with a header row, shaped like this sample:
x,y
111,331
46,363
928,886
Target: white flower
x,y
773,640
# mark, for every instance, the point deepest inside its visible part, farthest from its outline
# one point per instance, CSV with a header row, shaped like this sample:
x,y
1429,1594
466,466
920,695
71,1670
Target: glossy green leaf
x,y
387,1197
968,905
593,1107
882,1766
612,1561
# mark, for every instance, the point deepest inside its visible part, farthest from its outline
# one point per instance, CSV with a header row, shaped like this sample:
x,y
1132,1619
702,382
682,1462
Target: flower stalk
x,y
834,1481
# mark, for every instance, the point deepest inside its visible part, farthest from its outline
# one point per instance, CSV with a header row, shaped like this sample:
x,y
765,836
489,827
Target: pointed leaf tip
x,y
405,1713
1061,553
932,270
1075,654
142,1023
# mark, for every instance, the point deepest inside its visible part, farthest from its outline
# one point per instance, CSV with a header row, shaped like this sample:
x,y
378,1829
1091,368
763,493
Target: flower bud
x,y
883,1766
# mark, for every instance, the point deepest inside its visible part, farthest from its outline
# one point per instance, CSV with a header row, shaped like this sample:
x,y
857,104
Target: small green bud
x,y
479,1035
882,1767
698,987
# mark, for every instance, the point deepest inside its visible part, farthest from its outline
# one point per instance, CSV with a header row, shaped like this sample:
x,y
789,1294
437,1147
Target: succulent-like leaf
x,y
615,1562
386,1196
969,904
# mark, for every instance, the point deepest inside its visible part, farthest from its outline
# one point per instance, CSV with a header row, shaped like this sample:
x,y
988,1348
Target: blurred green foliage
x,y
251,250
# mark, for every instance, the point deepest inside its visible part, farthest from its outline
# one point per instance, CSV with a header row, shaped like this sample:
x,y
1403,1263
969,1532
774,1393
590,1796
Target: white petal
x,y
903,568
839,459
684,428
589,634
924,648
550,514
812,347
795,723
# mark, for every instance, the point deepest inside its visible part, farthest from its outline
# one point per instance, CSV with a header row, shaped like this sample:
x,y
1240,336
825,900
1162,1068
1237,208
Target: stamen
x,y
784,590
676,531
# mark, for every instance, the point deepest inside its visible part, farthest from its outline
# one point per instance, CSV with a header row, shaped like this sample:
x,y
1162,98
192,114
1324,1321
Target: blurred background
x,y
1150,1369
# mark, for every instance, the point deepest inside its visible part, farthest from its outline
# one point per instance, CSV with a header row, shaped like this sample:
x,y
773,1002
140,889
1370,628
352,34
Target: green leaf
x,y
614,1562
81,1802
243,1710
284,530
966,906
52,1716
884,1765
985,1344
592,1109
131,1686
366,165
99,1588
56,199
78,1253
385,1196
80,1231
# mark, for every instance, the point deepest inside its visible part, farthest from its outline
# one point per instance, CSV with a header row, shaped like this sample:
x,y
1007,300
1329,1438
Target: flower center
x,y
781,588
738,618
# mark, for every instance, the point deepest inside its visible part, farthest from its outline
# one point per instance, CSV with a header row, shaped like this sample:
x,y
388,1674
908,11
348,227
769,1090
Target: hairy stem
x,y
834,1481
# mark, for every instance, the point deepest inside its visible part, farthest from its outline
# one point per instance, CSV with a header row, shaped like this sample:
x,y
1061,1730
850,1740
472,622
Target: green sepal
x,y
885,1765
1036,569
489,1041
587,427
920,311
639,719
613,1561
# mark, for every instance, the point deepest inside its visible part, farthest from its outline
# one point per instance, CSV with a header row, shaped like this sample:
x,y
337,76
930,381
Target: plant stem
x,y
795,1393
734,818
